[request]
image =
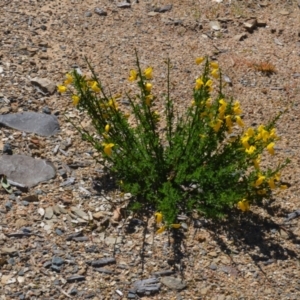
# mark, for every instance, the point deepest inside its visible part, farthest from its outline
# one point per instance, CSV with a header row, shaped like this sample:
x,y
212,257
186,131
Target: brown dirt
x,y
257,260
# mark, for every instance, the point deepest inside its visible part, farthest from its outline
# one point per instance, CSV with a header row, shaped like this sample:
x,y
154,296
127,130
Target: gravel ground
x,y
64,238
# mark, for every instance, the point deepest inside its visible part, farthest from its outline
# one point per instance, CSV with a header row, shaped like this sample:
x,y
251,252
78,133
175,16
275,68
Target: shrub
x,y
205,159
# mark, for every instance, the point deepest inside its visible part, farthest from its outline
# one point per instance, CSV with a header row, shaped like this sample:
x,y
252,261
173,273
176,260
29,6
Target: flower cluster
x,y
206,159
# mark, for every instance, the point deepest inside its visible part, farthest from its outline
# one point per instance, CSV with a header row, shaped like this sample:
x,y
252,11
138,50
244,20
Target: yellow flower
x,y
216,127
148,73
261,192
244,141
272,134
283,187
228,121
75,99
256,162
107,127
270,148
236,108
112,103
277,176
148,100
215,73
155,116
223,103
199,83
148,87
250,132
95,87
176,226
209,83
69,79
133,75
214,65
158,217
161,230
208,103
239,120
243,205
61,88
250,150
271,183
199,60
260,180
107,148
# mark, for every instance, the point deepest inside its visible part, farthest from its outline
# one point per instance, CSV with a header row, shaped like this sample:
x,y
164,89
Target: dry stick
x,y
63,292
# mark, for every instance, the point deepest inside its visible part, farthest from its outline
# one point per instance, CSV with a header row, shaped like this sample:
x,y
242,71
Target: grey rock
x,y
73,235
102,262
25,170
48,213
68,182
75,278
32,122
8,205
292,215
215,25
164,8
146,286
80,213
58,231
44,85
81,239
88,14
58,261
123,5
163,273
213,267
46,110
103,270
173,283
7,149
100,12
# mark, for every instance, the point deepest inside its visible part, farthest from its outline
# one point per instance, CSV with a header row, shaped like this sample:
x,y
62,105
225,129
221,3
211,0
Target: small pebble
x,y
58,261
46,110
8,205
88,14
25,203
7,149
58,231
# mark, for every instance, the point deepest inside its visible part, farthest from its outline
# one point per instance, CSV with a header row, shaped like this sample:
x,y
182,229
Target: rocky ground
x,y
63,238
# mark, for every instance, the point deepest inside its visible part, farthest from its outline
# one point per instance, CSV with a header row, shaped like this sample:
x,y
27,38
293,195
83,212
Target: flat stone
x,y
173,283
32,122
212,254
8,250
240,37
75,278
250,24
80,213
25,170
153,13
48,212
44,84
98,215
215,25
100,12
165,8
123,4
